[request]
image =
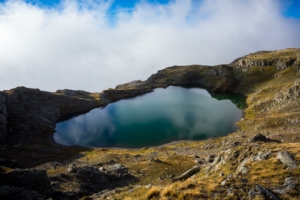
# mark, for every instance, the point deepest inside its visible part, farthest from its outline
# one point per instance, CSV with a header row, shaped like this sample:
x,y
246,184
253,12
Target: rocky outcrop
x,y
280,59
132,84
262,155
79,93
3,116
288,94
287,159
28,117
24,183
11,193
8,163
112,95
188,173
259,138
94,179
31,112
267,193
218,78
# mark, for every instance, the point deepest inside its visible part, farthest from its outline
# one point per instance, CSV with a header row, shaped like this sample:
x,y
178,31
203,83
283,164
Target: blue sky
x,y
291,8
94,46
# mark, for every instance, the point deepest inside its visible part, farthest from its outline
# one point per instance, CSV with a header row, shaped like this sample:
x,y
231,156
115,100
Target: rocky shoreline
x,y
269,79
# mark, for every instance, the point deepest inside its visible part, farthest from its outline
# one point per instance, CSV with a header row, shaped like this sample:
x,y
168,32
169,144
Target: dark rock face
x,y
3,116
112,95
218,78
8,163
35,181
11,193
267,193
259,138
93,180
31,112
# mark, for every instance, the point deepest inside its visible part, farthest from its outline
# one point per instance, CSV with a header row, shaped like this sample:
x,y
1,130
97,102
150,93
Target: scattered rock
x,y
156,160
91,174
117,168
72,168
223,183
197,161
188,173
229,191
210,158
287,159
262,155
235,144
241,168
266,192
244,170
92,180
252,194
259,137
289,184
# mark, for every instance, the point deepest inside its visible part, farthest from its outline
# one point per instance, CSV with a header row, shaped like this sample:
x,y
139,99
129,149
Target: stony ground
x,y
259,161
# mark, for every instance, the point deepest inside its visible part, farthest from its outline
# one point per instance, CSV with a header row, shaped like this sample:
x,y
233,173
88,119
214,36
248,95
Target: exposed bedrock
x,y
3,116
281,59
26,113
29,113
112,95
219,78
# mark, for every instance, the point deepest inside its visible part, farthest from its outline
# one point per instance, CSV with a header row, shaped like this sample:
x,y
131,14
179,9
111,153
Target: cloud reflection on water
x,y
163,116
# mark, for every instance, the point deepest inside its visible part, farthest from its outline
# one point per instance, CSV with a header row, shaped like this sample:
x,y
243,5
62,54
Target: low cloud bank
x,y
88,46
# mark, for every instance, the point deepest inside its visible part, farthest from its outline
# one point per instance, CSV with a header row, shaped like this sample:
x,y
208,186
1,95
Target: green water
x,y
163,116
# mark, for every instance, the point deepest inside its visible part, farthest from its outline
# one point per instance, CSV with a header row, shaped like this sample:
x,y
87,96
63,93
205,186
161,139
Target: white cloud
x,y
76,46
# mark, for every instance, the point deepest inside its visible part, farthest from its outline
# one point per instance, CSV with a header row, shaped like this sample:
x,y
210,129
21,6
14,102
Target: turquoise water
x,y
165,115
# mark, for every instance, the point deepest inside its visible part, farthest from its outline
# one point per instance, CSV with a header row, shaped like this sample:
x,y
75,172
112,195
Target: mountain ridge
x,y
270,125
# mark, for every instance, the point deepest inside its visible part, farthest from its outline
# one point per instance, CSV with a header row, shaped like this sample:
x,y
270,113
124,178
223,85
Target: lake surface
x,y
163,116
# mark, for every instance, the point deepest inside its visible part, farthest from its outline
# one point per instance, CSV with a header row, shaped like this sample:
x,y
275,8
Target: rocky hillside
x,y
259,161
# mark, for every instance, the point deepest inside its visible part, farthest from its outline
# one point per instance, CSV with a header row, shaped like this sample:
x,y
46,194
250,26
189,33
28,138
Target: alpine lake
x,y
165,115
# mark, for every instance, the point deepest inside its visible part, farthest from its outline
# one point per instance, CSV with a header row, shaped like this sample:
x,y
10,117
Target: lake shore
x,y
229,166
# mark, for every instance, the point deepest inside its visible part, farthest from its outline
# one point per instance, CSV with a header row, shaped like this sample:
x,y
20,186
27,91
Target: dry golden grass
x,y
168,191
128,198
153,192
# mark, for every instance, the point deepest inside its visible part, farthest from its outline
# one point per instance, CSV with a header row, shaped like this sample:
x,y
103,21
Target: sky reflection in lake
x,y
165,115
